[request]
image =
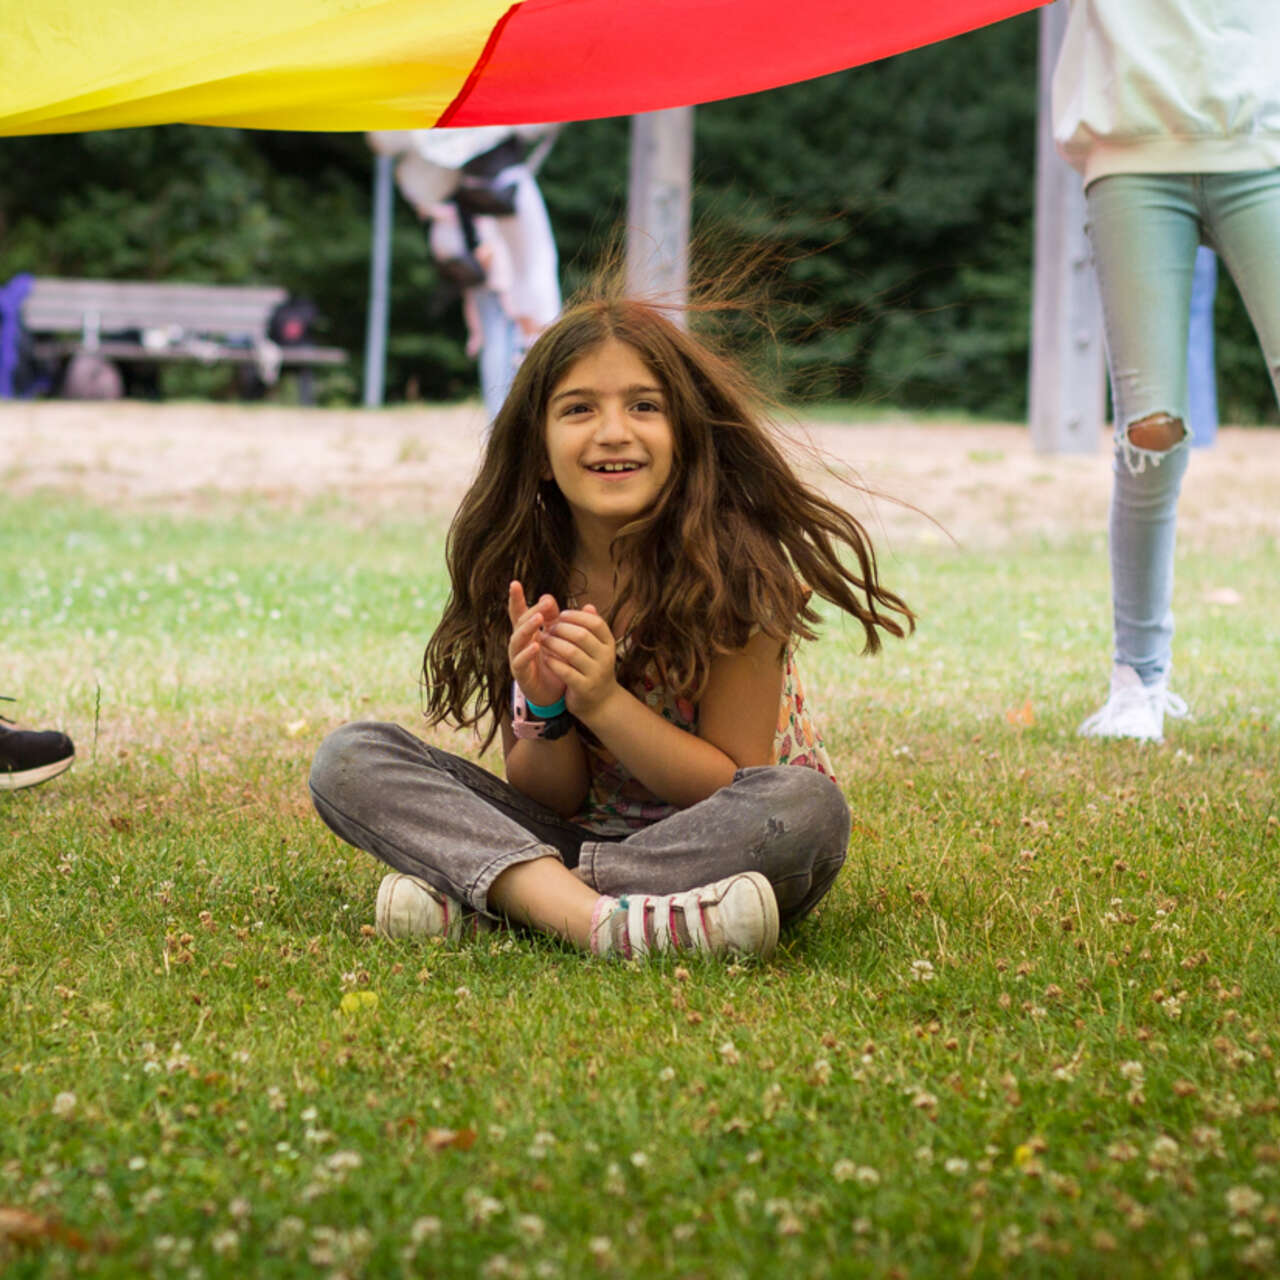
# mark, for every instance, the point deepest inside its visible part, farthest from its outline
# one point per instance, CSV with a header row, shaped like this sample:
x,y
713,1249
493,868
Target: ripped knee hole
x,y
1158,432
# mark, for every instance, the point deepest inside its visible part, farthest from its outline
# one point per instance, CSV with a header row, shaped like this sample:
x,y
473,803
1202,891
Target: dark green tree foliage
x,y
890,208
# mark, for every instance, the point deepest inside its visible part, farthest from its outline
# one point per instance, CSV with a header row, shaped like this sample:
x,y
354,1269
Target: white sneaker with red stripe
x,y
734,916
408,907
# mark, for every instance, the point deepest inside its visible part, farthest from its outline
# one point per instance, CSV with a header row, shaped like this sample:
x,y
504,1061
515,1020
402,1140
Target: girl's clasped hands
x,y
557,653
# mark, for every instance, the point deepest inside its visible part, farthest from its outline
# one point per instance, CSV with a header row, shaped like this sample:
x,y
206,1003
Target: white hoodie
x,y
1169,86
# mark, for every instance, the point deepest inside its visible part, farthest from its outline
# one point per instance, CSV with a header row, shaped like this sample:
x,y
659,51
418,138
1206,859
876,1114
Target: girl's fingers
x,y
578,650
566,651
526,627
599,646
516,604
589,620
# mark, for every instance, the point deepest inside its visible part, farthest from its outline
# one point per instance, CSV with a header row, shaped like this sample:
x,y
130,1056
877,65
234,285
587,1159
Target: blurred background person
x,y
489,233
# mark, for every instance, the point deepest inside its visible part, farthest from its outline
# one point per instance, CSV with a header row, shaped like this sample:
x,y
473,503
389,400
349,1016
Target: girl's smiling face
x,y
609,441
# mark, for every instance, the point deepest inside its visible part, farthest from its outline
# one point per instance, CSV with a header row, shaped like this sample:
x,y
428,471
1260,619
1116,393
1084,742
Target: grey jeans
x,y
434,815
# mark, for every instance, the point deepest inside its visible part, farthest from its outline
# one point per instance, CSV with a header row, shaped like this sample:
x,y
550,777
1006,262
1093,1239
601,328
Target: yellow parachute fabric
x,y
71,65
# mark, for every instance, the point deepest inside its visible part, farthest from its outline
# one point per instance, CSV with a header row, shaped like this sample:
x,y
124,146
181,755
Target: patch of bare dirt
x,y
984,485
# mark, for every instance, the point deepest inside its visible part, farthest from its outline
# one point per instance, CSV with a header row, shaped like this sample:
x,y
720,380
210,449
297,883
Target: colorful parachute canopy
x,y
70,65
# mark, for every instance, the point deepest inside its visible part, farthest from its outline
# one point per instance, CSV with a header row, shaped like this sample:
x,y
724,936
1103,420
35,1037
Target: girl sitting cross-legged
x,y
631,571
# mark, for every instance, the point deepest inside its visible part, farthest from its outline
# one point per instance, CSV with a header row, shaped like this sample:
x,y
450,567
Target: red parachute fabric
x,y
582,59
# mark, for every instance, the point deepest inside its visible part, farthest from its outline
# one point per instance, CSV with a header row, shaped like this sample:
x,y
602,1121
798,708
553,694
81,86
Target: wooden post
x,y
1068,358
658,207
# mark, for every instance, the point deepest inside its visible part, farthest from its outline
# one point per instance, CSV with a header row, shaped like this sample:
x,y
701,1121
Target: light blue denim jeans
x,y
1145,230
499,351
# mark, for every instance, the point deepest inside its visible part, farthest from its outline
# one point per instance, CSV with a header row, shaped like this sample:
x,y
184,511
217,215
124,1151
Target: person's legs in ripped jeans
x,y
1145,229
787,822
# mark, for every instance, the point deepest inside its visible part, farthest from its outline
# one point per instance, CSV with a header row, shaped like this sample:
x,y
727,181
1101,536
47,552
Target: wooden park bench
x,y
123,322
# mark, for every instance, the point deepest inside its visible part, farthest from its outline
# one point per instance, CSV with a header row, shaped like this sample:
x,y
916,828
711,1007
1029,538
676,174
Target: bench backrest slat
x,y
64,306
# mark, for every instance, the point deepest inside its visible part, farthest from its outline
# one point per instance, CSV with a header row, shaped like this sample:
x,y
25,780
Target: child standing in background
x,y
631,571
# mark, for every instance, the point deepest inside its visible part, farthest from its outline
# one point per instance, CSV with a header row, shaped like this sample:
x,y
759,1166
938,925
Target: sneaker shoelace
x,y
1164,699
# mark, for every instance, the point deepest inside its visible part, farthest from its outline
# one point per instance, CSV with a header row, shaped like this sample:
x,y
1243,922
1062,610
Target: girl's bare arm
x,y
737,716
552,773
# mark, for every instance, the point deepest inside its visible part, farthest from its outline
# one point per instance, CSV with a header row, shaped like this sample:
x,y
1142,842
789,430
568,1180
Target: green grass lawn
x,y
1033,1030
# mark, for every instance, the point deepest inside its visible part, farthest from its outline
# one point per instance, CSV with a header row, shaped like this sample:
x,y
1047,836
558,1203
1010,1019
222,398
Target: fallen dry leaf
x,y
459,1139
1022,717
25,1229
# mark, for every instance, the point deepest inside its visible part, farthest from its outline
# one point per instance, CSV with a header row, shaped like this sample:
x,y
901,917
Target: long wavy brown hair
x,y
735,542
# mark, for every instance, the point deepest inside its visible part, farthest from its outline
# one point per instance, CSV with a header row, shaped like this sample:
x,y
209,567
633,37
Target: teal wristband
x,y
557,708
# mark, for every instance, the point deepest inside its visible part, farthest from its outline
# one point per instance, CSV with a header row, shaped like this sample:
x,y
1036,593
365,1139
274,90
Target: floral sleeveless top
x,y
618,803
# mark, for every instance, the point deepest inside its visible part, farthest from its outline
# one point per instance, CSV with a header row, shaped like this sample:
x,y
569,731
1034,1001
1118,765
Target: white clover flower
x,y
640,1159
531,1227
957,1166
424,1229
64,1105
843,1170
1259,1253
729,1054
481,1206
922,971
341,1161
867,1176
1134,1071
1242,1201
226,1243
289,1231
667,1075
